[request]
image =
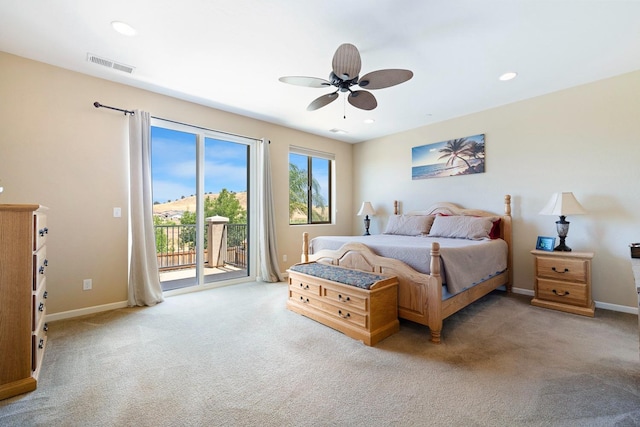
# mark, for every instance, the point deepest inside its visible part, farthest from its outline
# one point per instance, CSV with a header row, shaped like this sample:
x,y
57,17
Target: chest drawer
x,y
345,299
300,284
345,314
39,308
563,292
572,270
40,230
39,267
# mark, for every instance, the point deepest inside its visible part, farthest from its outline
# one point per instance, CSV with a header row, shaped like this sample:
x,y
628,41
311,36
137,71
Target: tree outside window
x,y
309,189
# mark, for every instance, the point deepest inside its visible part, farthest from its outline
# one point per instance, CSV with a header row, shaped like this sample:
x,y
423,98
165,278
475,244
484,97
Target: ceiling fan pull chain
x,y
344,107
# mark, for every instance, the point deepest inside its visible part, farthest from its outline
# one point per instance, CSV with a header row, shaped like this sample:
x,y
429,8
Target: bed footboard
x,y
419,294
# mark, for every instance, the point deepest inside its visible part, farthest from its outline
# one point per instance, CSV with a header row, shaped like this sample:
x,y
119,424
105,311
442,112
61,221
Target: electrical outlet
x,y
87,284
117,212
284,258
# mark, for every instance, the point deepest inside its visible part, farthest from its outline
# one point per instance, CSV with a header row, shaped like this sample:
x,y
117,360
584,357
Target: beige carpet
x,y
235,356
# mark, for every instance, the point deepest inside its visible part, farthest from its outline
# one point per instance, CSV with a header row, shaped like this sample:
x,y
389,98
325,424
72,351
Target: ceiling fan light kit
x,y
346,74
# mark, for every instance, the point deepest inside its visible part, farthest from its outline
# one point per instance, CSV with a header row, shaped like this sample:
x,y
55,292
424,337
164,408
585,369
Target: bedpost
x,y
506,235
305,247
435,298
395,207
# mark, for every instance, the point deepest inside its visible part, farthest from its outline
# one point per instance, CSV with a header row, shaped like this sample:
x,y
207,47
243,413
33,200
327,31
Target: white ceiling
x,y
230,54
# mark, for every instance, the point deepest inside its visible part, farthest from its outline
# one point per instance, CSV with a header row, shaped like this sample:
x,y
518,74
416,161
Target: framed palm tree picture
x,y
461,156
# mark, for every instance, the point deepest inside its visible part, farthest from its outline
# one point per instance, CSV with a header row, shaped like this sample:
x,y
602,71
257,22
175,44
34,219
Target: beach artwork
x,y
462,156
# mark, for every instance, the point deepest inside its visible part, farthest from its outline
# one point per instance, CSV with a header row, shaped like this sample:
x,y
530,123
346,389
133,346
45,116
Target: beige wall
x,y
585,140
57,150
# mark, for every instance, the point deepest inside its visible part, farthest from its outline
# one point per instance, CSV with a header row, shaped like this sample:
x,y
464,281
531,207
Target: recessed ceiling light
x,y
124,28
369,121
508,76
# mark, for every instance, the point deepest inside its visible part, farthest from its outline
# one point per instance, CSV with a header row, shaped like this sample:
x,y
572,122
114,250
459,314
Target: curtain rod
x,y
98,105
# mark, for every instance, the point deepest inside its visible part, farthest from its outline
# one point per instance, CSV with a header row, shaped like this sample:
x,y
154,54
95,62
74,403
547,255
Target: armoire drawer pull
x,y
341,298
41,307
41,344
45,327
560,294
566,270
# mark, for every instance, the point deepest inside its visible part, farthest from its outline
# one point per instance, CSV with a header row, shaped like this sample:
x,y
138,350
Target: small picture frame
x,y
545,243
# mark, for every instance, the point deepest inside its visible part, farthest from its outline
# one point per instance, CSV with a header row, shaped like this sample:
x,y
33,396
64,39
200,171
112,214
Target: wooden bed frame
x,y
419,294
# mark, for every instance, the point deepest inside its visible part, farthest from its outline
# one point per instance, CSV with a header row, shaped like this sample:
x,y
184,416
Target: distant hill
x,y
189,204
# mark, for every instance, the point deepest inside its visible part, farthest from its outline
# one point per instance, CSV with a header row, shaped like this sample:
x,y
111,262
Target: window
x,y
309,186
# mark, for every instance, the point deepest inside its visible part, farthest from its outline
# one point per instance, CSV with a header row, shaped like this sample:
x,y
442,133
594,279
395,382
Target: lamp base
x,y
562,247
367,222
563,229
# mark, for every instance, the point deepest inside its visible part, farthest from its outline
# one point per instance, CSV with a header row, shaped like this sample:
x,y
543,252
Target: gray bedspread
x,y
464,262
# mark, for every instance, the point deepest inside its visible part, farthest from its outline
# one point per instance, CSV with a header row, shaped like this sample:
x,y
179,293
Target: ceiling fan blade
x,y
305,81
346,62
322,101
363,100
384,78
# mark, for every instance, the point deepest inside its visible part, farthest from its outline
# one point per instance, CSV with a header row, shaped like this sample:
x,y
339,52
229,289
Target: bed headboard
x,y
447,208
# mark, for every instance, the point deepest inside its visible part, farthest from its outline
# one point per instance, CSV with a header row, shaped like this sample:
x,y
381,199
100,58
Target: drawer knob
x,y
560,294
340,298
304,300
45,263
344,316
45,327
43,231
41,343
566,270
41,307
303,286
41,269
45,295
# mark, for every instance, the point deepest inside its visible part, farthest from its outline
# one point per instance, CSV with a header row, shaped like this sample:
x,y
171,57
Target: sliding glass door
x,y
202,182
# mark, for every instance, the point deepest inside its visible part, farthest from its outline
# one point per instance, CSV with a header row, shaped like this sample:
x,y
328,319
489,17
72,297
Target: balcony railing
x,y
175,246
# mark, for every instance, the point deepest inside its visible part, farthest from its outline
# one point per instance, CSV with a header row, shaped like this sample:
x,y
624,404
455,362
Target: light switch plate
x,y
117,212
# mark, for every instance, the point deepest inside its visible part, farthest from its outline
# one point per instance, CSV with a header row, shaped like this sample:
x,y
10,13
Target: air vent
x,y
109,63
340,131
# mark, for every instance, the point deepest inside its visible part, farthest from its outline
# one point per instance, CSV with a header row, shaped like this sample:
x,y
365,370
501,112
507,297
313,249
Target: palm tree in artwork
x,y
476,150
455,149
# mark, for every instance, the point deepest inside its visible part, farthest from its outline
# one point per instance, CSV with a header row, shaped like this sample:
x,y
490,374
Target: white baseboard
x,y
113,306
602,305
84,311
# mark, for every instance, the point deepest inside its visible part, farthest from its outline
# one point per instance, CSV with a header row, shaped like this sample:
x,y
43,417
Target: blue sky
x,y
173,160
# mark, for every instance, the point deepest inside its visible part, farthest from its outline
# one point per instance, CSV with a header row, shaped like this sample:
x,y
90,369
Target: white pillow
x,y
409,225
461,227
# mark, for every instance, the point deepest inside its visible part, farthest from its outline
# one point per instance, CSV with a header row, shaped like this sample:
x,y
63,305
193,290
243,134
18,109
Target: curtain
x,y
268,248
144,281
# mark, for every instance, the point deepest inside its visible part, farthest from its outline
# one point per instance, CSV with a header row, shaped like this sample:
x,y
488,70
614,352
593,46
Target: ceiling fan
x,y
345,74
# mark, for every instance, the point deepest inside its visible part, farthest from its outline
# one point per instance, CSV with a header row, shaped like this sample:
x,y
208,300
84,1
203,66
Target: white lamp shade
x,y
366,209
563,204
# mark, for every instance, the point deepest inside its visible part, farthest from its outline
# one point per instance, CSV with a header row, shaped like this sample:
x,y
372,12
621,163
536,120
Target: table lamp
x,y
366,209
563,204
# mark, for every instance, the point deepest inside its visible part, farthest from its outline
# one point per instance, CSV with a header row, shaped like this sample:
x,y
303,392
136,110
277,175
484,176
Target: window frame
x,y
318,155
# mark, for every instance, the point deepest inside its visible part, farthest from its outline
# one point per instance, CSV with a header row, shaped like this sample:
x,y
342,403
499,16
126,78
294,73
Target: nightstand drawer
x,y
562,292
570,270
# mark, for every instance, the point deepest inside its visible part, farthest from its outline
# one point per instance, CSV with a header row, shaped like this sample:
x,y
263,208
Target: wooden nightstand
x,y
563,281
